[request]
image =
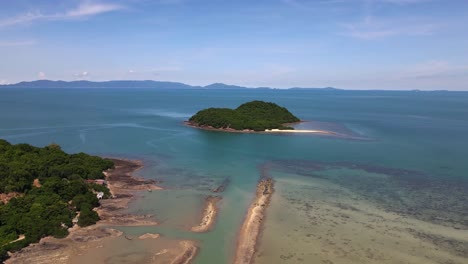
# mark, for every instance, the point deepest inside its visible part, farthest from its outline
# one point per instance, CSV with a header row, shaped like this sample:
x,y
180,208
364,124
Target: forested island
x,y
251,116
42,190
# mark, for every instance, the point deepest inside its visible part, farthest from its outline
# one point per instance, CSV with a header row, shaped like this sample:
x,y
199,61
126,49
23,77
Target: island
x,y
252,116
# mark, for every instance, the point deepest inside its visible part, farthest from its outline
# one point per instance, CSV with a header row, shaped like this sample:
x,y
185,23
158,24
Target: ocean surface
x,y
394,190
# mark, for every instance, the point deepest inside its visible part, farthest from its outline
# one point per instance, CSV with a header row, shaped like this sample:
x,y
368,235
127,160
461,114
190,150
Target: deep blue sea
x,y
400,184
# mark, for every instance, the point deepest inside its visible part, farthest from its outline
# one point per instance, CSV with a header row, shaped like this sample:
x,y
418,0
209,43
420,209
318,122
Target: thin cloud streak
x,y
371,28
17,43
85,9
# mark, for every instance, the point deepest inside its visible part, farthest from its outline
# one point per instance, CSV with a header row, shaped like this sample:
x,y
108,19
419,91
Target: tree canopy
x,y
255,115
48,209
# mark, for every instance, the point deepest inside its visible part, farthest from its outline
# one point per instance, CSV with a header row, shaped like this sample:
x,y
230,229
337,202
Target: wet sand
x,y
93,243
189,252
209,215
53,250
252,226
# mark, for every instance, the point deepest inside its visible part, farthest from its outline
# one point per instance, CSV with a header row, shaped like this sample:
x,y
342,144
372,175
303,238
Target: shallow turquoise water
x,y
416,131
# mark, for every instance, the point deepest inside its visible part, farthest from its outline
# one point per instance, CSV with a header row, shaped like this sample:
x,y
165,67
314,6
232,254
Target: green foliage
x,y
100,188
255,115
88,199
45,211
87,216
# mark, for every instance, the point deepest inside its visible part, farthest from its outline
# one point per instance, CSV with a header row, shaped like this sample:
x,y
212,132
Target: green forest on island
x,y
255,115
46,209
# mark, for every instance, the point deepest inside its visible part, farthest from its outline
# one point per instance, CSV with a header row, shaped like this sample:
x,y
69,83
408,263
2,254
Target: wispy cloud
x,y
17,43
82,75
91,9
83,10
41,76
371,28
303,3
404,2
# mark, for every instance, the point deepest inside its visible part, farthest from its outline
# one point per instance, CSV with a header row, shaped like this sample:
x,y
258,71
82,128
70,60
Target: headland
x,y
81,242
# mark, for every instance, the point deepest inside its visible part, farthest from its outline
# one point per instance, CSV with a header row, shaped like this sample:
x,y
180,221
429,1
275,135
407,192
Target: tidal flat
x,y
326,213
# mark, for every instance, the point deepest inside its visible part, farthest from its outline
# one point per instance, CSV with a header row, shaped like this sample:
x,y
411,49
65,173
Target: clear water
x,y
413,138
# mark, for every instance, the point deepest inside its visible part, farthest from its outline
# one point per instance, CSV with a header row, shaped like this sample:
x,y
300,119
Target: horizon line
x,y
218,83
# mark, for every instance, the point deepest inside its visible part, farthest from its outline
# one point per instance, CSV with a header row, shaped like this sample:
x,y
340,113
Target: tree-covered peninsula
x,y
255,115
42,190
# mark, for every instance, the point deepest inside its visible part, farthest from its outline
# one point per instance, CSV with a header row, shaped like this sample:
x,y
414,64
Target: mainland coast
x,y
86,243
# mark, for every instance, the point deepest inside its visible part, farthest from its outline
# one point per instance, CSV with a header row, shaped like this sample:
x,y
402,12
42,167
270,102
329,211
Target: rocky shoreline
x,y
268,131
124,187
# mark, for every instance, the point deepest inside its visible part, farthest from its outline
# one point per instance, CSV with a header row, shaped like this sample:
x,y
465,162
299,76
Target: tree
x,y
87,216
255,115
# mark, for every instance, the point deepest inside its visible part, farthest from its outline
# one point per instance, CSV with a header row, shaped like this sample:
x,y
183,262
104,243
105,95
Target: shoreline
x,y
124,188
253,223
267,131
210,213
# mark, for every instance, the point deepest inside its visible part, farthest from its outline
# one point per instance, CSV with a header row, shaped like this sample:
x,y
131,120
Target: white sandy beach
x,y
298,131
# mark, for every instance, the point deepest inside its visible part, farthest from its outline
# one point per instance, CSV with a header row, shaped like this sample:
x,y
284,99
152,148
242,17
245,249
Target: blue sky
x,y
353,44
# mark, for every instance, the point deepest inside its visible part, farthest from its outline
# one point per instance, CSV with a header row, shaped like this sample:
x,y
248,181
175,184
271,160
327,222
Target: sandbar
x,y
209,214
252,226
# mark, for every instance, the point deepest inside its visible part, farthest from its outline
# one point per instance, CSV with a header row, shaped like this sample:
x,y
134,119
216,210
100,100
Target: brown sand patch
x,y
37,183
6,197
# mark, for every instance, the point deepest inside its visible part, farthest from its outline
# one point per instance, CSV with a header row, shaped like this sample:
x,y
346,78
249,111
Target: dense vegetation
x,y
47,207
255,115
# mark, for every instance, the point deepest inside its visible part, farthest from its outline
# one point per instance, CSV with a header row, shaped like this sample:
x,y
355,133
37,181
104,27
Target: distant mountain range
x,y
131,84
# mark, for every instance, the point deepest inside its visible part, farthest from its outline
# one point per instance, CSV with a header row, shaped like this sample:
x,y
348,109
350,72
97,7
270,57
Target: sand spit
x,y
123,187
149,236
252,226
323,132
189,252
209,214
277,131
